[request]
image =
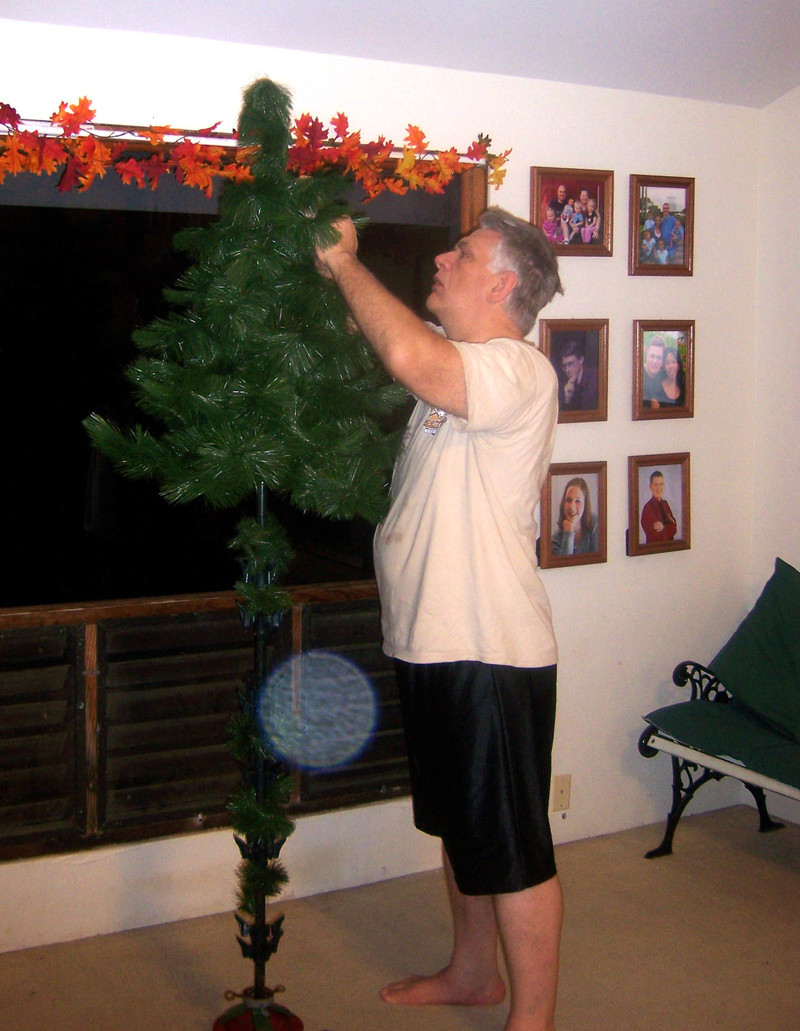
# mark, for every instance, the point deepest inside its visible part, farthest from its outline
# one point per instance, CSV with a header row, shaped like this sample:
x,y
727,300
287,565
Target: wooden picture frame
x,y
652,252
578,351
557,188
572,484
659,511
663,369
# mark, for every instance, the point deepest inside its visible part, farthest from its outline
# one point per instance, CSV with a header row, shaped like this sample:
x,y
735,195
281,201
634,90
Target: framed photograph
x,y
575,208
661,226
573,515
578,351
658,503
663,369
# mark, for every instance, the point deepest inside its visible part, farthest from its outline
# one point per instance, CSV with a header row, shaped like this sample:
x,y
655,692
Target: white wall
x,y
60,898
622,626
776,492
776,486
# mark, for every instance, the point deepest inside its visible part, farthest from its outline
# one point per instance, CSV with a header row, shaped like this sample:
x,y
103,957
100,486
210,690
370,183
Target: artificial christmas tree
x,y
257,386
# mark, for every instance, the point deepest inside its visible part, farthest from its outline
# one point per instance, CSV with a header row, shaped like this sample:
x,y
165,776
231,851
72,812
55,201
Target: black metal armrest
x,y
703,682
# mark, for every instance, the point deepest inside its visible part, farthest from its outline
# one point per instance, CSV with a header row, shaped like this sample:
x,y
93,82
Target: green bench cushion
x,y
760,664
728,731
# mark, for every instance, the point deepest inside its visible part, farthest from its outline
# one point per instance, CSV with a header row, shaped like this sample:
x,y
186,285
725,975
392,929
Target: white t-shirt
x,y
455,557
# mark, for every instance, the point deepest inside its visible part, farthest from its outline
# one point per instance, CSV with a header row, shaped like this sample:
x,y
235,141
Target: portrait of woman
x,y
663,372
575,532
573,515
674,382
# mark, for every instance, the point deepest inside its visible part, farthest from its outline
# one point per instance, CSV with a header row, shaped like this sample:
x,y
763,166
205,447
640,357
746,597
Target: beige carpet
x,y
706,939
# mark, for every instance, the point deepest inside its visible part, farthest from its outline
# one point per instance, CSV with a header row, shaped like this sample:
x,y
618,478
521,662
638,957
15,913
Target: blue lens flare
x,y
317,710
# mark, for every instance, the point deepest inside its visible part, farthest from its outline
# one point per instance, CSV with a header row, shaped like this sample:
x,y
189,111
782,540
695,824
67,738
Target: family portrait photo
x,y
659,513
573,515
578,351
661,226
663,369
574,207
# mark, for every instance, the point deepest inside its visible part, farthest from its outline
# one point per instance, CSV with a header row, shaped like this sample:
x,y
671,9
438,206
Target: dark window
x,y
78,279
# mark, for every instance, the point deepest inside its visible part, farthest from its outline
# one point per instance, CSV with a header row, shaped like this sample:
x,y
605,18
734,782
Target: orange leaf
x,y
409,169
350,150
415,138
155,134
73,118
406,163
433,184
395,186
340,125
236,173
97,163
15,158
496,177
448,163
498,172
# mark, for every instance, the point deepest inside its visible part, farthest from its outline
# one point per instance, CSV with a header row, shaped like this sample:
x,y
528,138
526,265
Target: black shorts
x,y
479,739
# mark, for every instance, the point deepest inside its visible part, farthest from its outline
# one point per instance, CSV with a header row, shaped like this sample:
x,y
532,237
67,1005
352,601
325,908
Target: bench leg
x,y
766,823
685,782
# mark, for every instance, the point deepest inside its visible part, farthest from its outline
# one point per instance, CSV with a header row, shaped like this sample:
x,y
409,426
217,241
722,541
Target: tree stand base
x,y
257,1015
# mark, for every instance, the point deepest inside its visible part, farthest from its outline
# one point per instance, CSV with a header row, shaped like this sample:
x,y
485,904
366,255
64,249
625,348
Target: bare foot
x,y
442,990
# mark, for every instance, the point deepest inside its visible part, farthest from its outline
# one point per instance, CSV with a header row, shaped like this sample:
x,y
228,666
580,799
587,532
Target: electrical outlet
x,y
561,791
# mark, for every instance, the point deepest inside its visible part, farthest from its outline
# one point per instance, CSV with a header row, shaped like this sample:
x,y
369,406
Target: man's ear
x,y
503,285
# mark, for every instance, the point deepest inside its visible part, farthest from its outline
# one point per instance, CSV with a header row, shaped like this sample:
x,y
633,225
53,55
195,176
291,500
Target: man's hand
x,y
346,246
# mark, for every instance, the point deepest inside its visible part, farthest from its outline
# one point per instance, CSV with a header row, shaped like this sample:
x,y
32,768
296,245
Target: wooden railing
x,y
113,714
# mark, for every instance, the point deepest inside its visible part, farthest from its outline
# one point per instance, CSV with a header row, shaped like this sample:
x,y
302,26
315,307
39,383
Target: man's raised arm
x,y
415,355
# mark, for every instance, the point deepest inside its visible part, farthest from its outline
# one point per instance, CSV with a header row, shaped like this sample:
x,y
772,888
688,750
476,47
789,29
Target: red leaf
x,y
52,155
9,116
309,132
477,151
208,131
131,171
72,175
155,167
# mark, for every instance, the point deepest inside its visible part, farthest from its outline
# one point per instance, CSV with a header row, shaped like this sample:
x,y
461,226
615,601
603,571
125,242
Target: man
x,y
560,199
577,389
464,613
653,395
667,224
658,522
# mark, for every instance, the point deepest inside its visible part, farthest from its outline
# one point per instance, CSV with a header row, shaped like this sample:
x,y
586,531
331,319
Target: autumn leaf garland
x,y
82,154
